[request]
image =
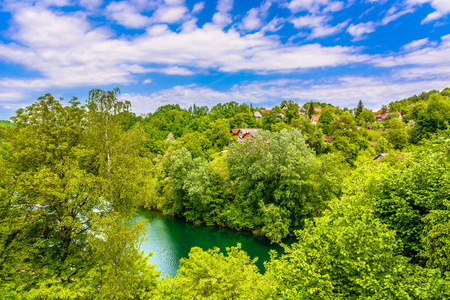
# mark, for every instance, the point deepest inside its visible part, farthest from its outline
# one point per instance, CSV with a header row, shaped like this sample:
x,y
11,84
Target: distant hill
x,y
5,122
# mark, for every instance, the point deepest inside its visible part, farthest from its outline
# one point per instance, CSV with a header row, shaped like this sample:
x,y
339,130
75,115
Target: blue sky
x,y
205,52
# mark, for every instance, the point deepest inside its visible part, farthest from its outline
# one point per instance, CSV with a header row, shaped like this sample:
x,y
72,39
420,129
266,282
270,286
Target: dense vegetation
x,y
72,176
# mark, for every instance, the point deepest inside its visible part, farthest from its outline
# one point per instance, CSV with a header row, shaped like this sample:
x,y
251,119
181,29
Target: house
x,y
381,117
284,106
257,115
244,133
379,112
387,113
315,119
268,111
301,110
234,132
326,138
380,156
317,110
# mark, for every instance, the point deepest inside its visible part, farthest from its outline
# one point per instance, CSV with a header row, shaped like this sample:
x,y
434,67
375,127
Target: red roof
x,y
315,118
326,138
235,131
378,112
263,111
382,116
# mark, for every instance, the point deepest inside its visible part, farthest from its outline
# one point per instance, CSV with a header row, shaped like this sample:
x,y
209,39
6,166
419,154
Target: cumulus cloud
x,y
223,17
306,5
359,30
253,19
198,7
126,14
318,24
414,45
169,14
394,13
431,17
69,52
442,8
433,55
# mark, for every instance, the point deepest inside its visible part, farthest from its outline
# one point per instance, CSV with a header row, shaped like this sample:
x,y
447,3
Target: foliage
x,y
65,168
280,169
349,254
213,275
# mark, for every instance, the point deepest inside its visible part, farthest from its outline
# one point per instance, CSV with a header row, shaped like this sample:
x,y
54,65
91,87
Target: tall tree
x,y
359,109
119,165
48,196
311,109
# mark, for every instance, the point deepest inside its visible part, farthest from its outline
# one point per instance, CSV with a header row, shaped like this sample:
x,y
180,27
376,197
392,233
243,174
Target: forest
x,y
366,195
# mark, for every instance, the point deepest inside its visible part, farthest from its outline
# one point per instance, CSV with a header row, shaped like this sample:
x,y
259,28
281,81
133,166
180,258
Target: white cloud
x,y
414,45
126,14
359,30
169,14
442,8
251,20
318,25
334,6
147,81
306,5
310,21
67,51
223,17
254,17
394,13
431,17
198,7
429,56
273,26
175,71
91,4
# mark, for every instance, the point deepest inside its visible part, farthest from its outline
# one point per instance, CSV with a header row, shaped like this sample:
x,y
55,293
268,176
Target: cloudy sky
x,y
205,52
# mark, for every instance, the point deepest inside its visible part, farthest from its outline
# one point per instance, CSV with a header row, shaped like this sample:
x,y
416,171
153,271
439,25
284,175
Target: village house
x,y
326,138
245,133
301,110
315,119
257,115
381,117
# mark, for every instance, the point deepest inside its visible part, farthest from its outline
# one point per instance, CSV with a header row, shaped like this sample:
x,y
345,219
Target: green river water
x,y
172,238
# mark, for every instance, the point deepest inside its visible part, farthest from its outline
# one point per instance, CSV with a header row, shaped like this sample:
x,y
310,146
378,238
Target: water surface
x,y
172,238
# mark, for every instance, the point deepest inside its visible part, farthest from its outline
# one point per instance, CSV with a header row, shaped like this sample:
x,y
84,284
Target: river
x,y
172,238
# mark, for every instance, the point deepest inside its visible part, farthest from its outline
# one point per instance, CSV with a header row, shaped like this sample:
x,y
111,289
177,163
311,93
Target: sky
x,y
183,52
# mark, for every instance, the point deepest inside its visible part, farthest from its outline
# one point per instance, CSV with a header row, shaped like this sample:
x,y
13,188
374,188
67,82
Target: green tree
x,y
349,254
310,109
325,119
213,275
121,271
397,134
279,169
359,109
119,166
291,112
414,199
365,117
